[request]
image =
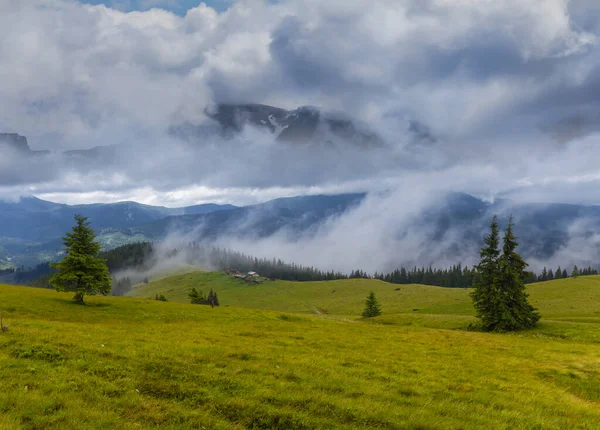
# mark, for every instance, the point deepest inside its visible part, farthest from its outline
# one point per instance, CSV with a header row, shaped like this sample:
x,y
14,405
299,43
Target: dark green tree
x,y
565,274
161,297
530,278
212,299
485,294
499,296
81,271
196,298
515,312
372,306
558,274
121,286
575,272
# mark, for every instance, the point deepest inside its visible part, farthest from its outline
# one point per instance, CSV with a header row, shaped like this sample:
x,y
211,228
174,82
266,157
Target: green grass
x,y
344,297
574,299
570,307
135,363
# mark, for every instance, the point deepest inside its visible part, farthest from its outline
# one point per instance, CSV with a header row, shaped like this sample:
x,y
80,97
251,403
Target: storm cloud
x,y
505,91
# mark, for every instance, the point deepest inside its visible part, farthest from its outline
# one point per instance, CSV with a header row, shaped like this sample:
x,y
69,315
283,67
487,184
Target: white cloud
x,y
496,81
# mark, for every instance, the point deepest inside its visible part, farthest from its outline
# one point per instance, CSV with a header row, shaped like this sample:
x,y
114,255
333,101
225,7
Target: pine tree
x,y
515,311
213,300
575,272
499,296
372,306
81,271
485,294
565,274
160,297
196,297
558,273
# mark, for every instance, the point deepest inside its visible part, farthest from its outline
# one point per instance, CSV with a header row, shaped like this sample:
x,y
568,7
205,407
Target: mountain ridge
x,y
452,227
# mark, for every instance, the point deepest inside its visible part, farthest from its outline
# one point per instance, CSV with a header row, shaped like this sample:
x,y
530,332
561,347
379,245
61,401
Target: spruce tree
x,y
81,271
558,274
196,298
161,297
565,274
213,300
575,272
372,306
485,294
499,296
515,311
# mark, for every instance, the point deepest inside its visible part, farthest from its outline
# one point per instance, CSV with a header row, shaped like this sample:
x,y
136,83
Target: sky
x,y
180,7
508,89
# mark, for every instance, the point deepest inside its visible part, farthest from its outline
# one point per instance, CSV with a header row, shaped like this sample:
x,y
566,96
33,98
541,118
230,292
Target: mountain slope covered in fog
x,y
321,231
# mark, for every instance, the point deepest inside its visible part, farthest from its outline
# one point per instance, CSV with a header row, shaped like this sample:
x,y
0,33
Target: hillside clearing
x,y
565,298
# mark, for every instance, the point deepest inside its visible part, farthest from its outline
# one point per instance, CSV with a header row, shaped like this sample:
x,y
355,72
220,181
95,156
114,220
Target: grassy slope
x,y
344,297
416,305
576,299
129,363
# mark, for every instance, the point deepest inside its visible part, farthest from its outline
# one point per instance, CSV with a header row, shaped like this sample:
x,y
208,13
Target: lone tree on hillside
x,y
81,270
499,296
372,306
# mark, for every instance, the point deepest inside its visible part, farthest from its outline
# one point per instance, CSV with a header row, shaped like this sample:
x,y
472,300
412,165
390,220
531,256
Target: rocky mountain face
x,y
304,125
15,143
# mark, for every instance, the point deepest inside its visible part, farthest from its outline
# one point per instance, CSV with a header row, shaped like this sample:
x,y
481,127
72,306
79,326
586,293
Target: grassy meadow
x,y
284,355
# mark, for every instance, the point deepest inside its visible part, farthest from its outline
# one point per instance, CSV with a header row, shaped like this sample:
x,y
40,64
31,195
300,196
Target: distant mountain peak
x,y
15,142
304,125
18,144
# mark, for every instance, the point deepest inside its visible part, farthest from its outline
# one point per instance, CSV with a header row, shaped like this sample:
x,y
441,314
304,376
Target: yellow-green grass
x,y
570,307
133,363
344,297
572,298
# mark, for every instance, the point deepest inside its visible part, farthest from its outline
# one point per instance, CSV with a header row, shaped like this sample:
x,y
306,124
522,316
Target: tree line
x,y
549,275
140,257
